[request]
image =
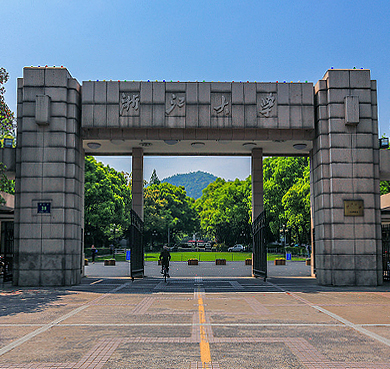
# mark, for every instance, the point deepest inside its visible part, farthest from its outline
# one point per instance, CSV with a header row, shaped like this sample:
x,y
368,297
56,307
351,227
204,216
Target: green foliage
x,y
225,211
167,206
384,187
6,115
107,203
154,178
194,182
6,131
286,195
202,256
6,185
296,203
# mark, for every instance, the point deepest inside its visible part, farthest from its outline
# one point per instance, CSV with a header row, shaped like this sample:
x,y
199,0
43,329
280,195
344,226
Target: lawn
x,y
201,256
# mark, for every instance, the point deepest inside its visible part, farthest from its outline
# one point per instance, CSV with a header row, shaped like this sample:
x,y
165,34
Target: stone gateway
x,y
333,122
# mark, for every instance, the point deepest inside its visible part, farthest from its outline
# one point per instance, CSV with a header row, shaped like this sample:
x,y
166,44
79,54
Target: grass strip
x,y
201,256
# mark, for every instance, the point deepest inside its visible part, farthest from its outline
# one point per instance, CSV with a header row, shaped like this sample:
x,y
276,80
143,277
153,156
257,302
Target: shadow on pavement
x,y
33,300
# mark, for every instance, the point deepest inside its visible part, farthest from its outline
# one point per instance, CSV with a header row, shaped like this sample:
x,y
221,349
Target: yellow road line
x,y
205,355
100,280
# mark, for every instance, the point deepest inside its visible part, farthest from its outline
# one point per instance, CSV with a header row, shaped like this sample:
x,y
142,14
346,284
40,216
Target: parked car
x,y
236,248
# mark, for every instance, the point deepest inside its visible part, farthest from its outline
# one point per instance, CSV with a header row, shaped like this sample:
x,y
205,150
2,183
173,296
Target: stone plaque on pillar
x,y
353,208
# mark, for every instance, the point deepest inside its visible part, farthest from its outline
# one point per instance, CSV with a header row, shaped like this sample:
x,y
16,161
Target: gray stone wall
x,y
109,104
345,167
49,170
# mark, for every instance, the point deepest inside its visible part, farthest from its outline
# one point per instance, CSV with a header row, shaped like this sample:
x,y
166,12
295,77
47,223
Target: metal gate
x,y
6,250
259,228
137,246
386,251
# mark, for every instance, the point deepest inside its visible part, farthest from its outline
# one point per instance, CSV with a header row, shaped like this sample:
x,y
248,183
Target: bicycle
x,y
165,273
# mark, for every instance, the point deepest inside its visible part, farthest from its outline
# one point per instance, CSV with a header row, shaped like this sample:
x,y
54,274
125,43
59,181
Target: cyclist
x,y
165,256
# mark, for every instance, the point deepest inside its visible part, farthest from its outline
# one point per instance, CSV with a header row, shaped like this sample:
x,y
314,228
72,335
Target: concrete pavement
x,y
204,317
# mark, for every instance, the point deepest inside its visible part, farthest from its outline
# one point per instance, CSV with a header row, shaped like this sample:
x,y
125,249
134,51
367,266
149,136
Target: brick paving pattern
x,y
250,314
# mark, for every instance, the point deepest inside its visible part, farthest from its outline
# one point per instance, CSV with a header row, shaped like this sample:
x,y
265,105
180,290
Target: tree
x,y
107,203
281,174
6,185
154,178
384,187
225,211
168,209
296,203
6,131
7,117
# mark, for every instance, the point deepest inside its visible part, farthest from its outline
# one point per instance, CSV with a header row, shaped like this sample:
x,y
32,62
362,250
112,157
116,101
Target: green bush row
x,y
299,250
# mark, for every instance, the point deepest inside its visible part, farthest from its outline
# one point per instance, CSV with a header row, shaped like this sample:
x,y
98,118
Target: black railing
x,y
259,262
386,251
136,245
6,251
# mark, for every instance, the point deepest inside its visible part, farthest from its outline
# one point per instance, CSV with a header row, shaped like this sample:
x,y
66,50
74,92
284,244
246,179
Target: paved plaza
x,y
204,317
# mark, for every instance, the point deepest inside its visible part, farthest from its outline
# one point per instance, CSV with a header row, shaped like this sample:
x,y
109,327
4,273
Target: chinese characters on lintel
x,y
133,102
220,108
175,102
267,104
127,102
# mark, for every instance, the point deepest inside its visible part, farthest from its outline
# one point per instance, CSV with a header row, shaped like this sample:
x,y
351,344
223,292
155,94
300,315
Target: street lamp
x,y
284,234
154,234
384,143
242,236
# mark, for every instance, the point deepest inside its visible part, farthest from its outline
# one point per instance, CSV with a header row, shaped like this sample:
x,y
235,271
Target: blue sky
x,y
198,40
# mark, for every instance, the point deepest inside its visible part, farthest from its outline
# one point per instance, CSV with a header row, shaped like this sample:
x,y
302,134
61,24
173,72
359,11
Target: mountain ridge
x,y
193,182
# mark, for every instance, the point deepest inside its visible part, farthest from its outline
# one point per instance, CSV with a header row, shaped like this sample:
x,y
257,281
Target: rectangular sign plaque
x,y
353,208
44,207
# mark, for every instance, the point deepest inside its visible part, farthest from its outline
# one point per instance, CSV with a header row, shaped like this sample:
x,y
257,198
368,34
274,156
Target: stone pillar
x,y
312,232
138,181
257,182
49,180
345,180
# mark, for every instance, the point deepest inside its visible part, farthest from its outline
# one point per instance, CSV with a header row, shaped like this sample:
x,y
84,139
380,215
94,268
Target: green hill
x,y
193,182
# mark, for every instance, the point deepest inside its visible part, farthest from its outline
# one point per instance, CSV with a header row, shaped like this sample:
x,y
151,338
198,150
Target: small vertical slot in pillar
x,y
42,109
351,104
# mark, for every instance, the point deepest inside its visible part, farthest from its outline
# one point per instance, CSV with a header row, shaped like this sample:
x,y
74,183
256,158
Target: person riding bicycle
x,y
165,256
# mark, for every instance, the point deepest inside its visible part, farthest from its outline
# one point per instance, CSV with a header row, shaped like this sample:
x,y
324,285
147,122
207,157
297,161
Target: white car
x,y
236,248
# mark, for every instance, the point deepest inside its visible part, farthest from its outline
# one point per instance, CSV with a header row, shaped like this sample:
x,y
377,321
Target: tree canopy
x,y
296,203
154,178
225,211
7,117
287,195
168,208
107,203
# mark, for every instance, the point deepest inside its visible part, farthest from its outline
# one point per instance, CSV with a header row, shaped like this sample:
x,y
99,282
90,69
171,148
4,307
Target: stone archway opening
x,y
160,237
